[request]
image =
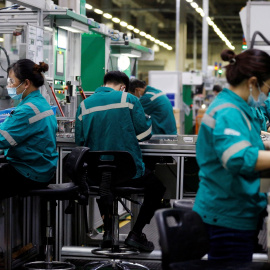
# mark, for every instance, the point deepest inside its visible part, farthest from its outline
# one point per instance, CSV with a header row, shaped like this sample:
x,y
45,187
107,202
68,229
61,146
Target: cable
x,y
261,35
8,61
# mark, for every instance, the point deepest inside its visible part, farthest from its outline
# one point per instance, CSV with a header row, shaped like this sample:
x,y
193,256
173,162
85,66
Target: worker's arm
x,y
263,161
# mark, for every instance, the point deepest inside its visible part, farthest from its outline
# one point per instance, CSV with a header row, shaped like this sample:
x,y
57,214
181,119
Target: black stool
x,y
74,191
184,205
109,168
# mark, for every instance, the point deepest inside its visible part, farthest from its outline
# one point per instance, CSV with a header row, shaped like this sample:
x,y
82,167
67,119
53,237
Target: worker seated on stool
x,y
114,120
155,104
28,134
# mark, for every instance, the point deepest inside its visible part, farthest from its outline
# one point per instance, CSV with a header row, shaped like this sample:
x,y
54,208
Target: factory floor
x,y
152,235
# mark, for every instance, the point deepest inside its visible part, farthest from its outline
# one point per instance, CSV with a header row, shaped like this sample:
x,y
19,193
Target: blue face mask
x,y
257,103
12,92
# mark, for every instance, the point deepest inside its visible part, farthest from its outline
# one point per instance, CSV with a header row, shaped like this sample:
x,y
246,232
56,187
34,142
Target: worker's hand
x,y
267,145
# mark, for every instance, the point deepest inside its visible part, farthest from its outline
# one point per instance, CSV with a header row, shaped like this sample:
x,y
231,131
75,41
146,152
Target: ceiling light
x,y
98,11
157,41
199,10
194,5
107,15
116,20
189,1
130,27
142,33
136,30
87,6
170,48
161,43
124,24
152,39
147,36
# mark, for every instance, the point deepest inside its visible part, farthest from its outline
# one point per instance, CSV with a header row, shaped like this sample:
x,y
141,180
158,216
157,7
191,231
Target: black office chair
x,y
182,236
108,169
77,190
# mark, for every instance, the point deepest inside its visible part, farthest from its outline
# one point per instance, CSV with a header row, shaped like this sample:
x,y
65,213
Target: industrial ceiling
x,y
160,15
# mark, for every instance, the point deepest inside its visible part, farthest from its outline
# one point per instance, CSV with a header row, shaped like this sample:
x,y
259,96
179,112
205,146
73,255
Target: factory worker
x,y
112,119
231,155
155,104
28,134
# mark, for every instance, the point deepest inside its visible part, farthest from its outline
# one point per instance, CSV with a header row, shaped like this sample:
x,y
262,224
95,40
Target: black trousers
x,y
154,192
13,183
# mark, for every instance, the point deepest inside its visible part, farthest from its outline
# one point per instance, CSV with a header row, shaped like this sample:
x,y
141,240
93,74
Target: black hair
x,y
27,69
217,88
135,83
252,62
116,77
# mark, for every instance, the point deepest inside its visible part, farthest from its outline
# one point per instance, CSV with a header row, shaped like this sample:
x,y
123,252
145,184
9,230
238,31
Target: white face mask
x,y
261,98
12,92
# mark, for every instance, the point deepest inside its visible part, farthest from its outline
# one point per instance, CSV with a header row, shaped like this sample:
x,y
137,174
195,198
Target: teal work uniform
x,y
113,120
156,104
260,115
28,137
227,151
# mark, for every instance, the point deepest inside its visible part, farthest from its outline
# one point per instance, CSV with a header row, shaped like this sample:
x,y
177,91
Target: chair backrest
x,y
119,165
75,162
182,236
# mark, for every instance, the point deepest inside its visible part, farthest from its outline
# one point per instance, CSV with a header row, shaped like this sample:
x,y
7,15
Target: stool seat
x,y
184,204
49,265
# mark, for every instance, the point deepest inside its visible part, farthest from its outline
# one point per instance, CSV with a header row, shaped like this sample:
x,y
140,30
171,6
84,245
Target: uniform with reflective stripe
x,y
156,104
263,114
227,151
28,136
113,120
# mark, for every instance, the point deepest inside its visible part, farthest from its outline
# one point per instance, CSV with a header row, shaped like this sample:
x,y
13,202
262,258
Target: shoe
x,y
107,240
139,241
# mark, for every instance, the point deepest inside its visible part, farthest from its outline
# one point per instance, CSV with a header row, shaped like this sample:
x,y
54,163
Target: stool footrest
x,y
123,251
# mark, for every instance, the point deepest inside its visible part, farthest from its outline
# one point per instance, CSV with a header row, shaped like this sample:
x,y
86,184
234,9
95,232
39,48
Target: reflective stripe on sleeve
x,y
124,97
144,134
211,122
156,96
35,109
9,138
233,149
40,116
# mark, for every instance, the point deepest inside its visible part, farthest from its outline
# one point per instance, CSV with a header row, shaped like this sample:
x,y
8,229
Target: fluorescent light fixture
x,y
130,27
123,62
194,5
48,29
142,33
147,36
170,48
116,20
98,11
157,41
189,1
1,39
161,43
152,39
87,6
136,30
124,24
107,15
72,25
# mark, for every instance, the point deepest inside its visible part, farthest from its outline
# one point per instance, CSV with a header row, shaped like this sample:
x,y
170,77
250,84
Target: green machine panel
x,y
187,98
92,61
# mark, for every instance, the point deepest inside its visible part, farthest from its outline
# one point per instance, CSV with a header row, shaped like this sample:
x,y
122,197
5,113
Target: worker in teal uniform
x,y
230,155
28,134
155,104
112,119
